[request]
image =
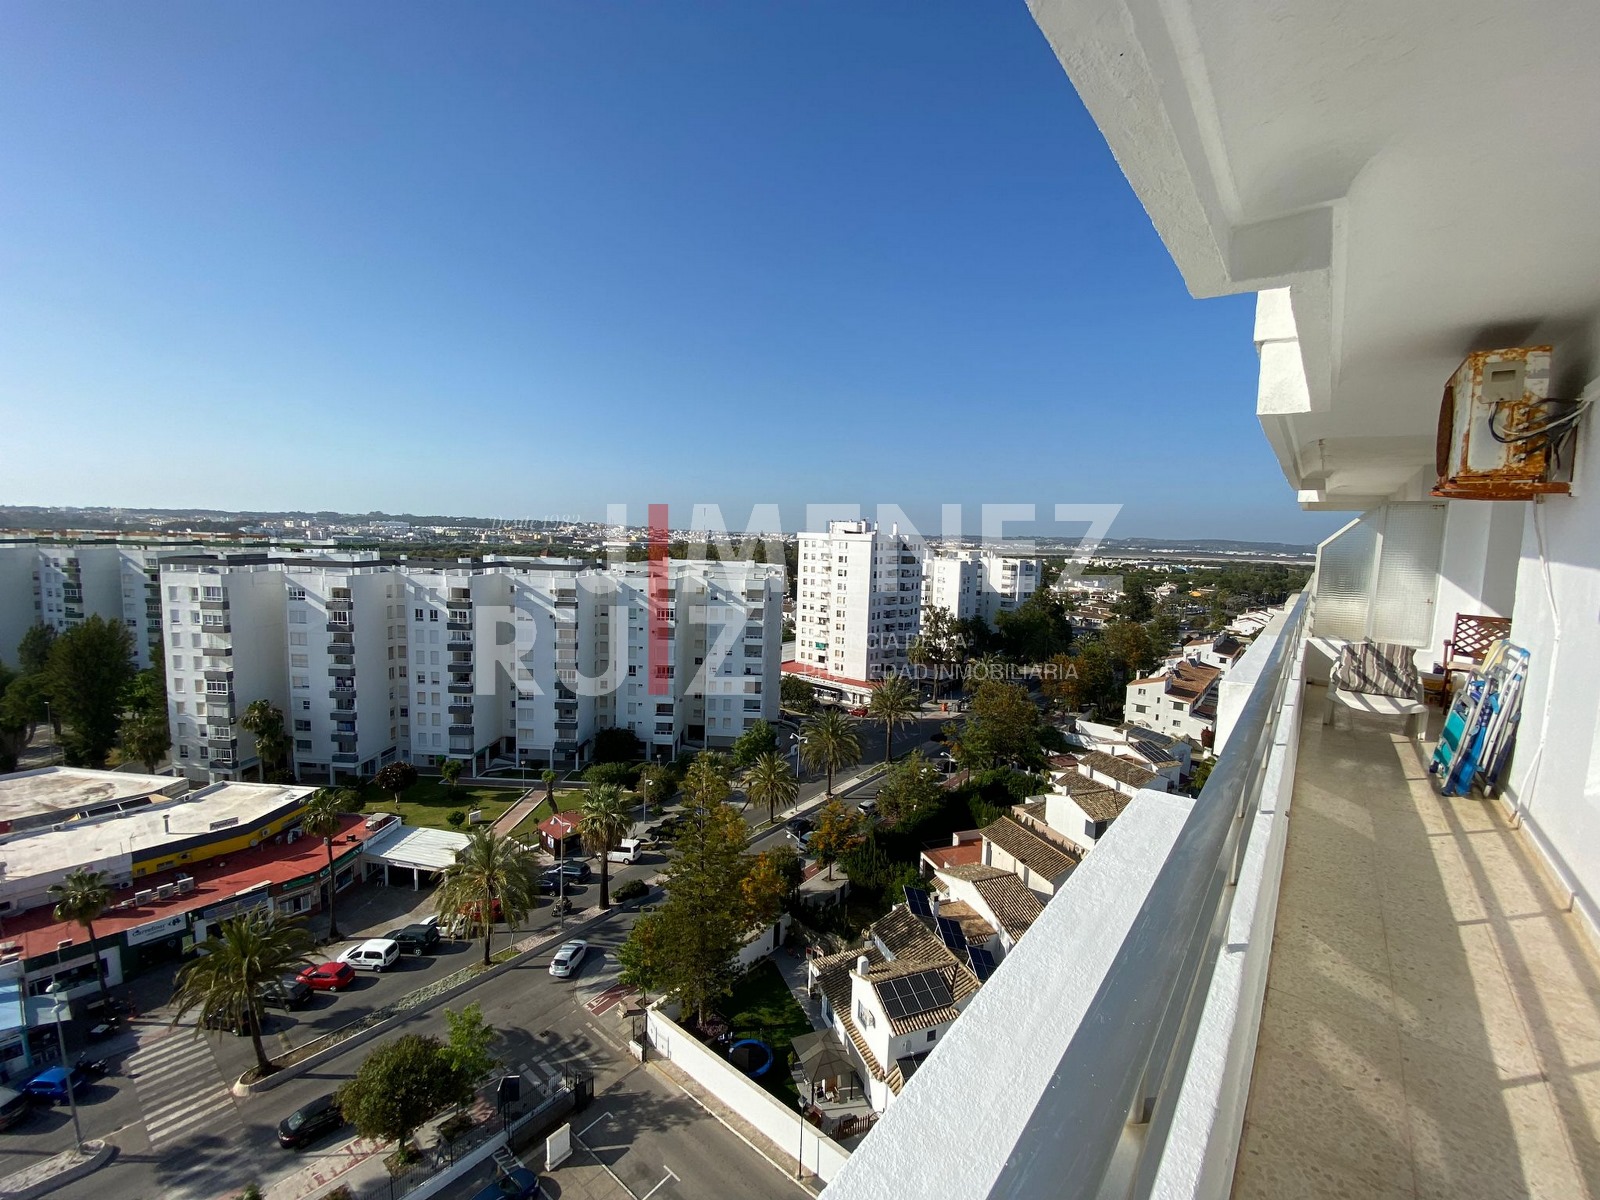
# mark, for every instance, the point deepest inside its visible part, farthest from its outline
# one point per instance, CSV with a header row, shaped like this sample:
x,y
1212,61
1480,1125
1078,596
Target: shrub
x,y
631,890
624,775
456,818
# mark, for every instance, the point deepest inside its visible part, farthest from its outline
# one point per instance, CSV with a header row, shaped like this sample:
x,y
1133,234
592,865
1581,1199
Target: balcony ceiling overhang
x,y
1420,177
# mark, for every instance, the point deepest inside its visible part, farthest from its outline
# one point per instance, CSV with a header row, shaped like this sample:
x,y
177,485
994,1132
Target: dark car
x,y
415,939
50,1085
288,993
798,827
518,1184
574,873
309,1122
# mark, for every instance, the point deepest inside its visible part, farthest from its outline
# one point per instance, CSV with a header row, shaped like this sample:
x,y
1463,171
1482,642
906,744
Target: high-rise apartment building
x,y
857,605
978,583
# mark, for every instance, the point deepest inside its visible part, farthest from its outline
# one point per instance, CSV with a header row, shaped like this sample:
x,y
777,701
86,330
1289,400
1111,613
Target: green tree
x,y
488,869
767,885
1135,603
323,818
828,742
466,1047
450,772
396,778
89,667
606,818
1128,646
707,781
146,737
702,924
910,788
642,956
839,830
401,1085
548,778
797,694
248,952
83,896
264,720
1038,628
22,711
653,780
759,739
769,781
1199,775
938,645
1003,726
894,702
33,651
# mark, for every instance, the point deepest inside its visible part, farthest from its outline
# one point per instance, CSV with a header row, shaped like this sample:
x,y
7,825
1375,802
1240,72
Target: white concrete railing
x,y
1110,1053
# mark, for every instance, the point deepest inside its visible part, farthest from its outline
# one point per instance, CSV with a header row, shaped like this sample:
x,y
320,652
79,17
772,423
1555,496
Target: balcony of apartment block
x,y
218,674
220,762
344,649
342,693
460,620
345,758
458,729
460,708
229,745
340,627
459,686
214,604
566,598
1321,978
460,661
343,714
213,655
342,671
460,641
340,604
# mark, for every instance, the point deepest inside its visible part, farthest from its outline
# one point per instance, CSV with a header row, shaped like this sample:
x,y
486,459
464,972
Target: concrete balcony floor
x,y
1432,1018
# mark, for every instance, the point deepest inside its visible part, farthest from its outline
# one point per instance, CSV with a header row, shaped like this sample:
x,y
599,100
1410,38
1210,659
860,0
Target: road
x,y
206,1144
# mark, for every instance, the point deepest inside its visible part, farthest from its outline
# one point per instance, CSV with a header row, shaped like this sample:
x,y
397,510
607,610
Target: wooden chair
x,y
1469,641
1379,678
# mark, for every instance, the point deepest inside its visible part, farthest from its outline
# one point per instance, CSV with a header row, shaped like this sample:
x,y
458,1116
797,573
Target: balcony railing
x,y
1132,1080
342,672
460,687
340,627
459,643
342,693
338,604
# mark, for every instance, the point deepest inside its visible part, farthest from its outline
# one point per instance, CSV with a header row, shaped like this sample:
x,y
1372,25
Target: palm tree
x,y
893,703
607,817
263,719
252,950
487,870
549,777
322,819
829,741
769,781
82,896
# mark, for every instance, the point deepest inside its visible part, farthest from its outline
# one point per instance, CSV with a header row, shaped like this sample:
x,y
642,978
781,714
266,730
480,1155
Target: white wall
x,y
771,1117
1478,567
1555,774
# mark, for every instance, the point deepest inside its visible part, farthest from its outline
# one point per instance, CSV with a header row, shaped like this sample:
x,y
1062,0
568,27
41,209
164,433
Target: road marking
x,y
180,1090
659,1186
608,999
592,1124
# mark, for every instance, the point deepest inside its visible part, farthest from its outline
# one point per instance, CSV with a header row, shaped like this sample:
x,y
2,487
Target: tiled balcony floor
x,y
1432,1021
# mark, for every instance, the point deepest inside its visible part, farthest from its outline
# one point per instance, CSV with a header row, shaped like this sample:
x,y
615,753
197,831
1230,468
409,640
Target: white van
x,y
375,954
627,851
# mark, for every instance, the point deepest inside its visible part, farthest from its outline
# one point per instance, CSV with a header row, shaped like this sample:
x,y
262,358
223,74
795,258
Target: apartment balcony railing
x,y
218,675
459,624
345,648
217,652
221,762
1132,1080
222,743
216,604
566,728
566,599
466,730
341,604
342,693
338,671
345,758
460,642
340,627
460,662
342,714
461,687
460,709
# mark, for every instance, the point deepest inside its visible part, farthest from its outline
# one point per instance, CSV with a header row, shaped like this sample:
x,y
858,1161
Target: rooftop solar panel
x,y
908,995
982,961
950,931
917,902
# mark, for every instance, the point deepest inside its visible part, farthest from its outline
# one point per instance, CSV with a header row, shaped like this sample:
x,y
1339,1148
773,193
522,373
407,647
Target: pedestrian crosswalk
x,y
180,1091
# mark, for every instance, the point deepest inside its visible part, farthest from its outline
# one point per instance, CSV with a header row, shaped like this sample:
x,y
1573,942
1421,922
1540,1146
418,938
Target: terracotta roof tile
x,y
1124,770
1014,906
1029,848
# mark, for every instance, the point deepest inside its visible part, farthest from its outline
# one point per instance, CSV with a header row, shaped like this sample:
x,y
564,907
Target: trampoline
x,y
752,1056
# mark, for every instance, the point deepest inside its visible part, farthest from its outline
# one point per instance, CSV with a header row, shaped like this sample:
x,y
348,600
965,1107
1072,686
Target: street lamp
x,y
61,1040
800,1154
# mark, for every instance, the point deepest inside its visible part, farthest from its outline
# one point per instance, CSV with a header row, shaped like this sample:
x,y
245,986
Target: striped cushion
x,y
1379,669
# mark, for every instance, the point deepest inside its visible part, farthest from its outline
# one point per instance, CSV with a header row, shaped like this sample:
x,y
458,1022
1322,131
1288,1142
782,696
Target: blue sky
x,y
525,260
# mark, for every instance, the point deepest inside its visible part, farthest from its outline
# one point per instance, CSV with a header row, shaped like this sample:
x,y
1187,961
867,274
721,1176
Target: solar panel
x,y
908,995
950,931
917,902
982,961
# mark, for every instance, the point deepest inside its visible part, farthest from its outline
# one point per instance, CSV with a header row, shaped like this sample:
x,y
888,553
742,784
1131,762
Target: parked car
x,y
568,958
14,1106
374,954
309,1122
627,851
798,827
50,1084
421,938
212,1019
519,1184
288,993
577,871
471,913
868,806
328,976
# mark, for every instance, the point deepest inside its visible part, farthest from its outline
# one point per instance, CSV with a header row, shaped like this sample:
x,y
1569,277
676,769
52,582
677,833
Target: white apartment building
x,y
226,646
978,583
857,607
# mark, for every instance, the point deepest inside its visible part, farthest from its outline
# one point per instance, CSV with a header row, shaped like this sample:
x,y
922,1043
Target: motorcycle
x,y
93,1068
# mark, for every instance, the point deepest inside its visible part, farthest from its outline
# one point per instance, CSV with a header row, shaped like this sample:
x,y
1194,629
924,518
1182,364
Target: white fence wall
x,y
776,1120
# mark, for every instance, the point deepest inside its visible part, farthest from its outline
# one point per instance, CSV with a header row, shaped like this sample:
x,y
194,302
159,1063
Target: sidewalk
x,y
513,816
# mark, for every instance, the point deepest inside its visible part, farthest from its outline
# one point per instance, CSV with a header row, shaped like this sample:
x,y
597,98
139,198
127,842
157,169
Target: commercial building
x,y
857,607
1324,977
51,795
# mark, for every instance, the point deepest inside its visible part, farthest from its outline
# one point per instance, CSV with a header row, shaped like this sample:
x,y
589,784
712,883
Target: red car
x,y
328,976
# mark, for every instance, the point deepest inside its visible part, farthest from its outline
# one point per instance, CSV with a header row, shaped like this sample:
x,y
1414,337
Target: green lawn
x,y
527,828
430,800
762,1007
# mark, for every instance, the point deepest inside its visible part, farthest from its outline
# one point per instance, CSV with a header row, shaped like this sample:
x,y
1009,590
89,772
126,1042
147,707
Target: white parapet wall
x,y
820,1155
